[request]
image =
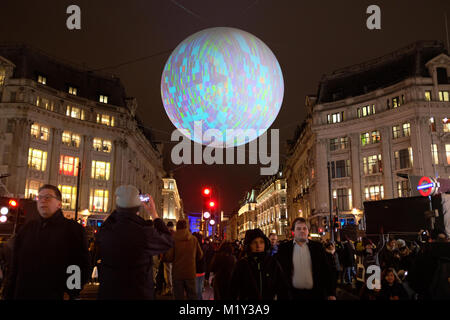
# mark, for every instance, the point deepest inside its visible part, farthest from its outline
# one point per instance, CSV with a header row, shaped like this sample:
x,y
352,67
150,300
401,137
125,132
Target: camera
x,y
144,198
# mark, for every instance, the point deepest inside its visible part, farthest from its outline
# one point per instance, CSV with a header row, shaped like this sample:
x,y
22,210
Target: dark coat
x,y
331,258
42,252
388,291
322,274
126,245
258,279
222,265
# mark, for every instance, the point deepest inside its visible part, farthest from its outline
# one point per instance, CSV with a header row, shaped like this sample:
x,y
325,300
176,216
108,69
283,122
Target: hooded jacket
x,y
184,255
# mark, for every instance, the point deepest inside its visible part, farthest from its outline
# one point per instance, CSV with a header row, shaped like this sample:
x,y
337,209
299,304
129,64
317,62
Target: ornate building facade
x,y
368,123
271,208
172,203
59,122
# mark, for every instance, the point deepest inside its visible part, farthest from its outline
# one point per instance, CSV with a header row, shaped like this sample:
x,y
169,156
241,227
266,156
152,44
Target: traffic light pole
x,y
331,203
78,191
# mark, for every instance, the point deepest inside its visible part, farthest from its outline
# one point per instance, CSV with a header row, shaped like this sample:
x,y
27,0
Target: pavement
x,y
89,292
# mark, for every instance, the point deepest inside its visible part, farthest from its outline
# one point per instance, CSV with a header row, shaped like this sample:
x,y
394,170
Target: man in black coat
x,y
44,249
127,243
305,265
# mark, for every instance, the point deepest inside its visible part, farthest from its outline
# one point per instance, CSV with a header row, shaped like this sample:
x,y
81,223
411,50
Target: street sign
x,y
427,186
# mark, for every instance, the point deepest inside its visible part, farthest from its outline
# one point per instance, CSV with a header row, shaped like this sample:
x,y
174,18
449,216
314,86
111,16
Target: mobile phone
x,y
144,198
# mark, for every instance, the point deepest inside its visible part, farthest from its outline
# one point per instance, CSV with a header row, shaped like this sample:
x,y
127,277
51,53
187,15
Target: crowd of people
x,y
133,258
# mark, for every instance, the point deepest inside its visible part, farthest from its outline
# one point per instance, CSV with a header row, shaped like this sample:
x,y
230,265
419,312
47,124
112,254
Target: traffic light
x,y
336,224
206,215
212,204
206,191
10,209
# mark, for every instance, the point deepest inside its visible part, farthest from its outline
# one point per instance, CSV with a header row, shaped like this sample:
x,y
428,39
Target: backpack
x,y
440,284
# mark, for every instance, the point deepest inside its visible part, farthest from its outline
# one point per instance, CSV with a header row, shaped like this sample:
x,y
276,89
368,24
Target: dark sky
x,y
308,37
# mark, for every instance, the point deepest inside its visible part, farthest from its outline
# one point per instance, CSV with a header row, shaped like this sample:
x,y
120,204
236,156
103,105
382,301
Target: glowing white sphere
x,y
227,79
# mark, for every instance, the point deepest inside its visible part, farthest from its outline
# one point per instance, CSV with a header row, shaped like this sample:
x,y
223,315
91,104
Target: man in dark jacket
x,y
126,246
305,265
43,251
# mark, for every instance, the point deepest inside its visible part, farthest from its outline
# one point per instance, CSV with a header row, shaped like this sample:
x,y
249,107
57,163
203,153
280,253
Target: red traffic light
x,y
212,204
206,191
12,203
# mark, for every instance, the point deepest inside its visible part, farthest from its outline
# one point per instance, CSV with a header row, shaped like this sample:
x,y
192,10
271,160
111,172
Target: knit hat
x,y
401,243
252,234
127,196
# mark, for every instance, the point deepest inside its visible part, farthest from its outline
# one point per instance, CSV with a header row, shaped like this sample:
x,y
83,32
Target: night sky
x,y
309,39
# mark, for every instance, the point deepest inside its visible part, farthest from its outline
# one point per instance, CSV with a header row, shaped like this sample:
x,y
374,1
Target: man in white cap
x,y
126,244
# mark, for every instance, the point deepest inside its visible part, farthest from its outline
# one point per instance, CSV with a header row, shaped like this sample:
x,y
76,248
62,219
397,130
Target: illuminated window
x,y
406,129
68,165
72,90
432,124
403,188
32,189
44,103
39,132
105,119
98,200
434,154
69,196
100,170
2,76
395,102
342,199
102,145
446,124
447,152
365,139
372,164
335,117
443,96
375,192
376,136
71,139
103,99
42,79
37,159
75,112
427,95
366,111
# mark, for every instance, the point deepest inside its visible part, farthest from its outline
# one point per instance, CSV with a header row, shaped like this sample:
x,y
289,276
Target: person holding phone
x,y
126,245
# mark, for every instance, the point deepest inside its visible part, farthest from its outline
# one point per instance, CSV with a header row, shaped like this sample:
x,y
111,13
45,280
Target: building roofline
x,y
369,64
63,62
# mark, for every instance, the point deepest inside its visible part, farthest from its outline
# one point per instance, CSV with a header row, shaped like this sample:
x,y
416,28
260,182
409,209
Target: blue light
x,y
425,186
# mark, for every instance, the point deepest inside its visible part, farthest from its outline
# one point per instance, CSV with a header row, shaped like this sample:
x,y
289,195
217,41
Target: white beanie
x,y
127,197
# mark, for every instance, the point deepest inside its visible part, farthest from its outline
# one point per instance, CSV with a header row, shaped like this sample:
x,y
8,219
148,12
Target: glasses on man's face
x,y
45,197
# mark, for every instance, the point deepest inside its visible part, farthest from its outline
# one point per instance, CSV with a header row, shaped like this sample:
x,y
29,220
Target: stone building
x,y
246,217
271,206
57,117
368,123
172,203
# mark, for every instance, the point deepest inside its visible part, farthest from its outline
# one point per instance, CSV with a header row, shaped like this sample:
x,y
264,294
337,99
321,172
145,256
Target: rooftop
x,y
31,62
380,72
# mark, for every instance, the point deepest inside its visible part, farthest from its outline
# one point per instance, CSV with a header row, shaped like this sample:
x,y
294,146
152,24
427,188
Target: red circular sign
x,y
425,192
